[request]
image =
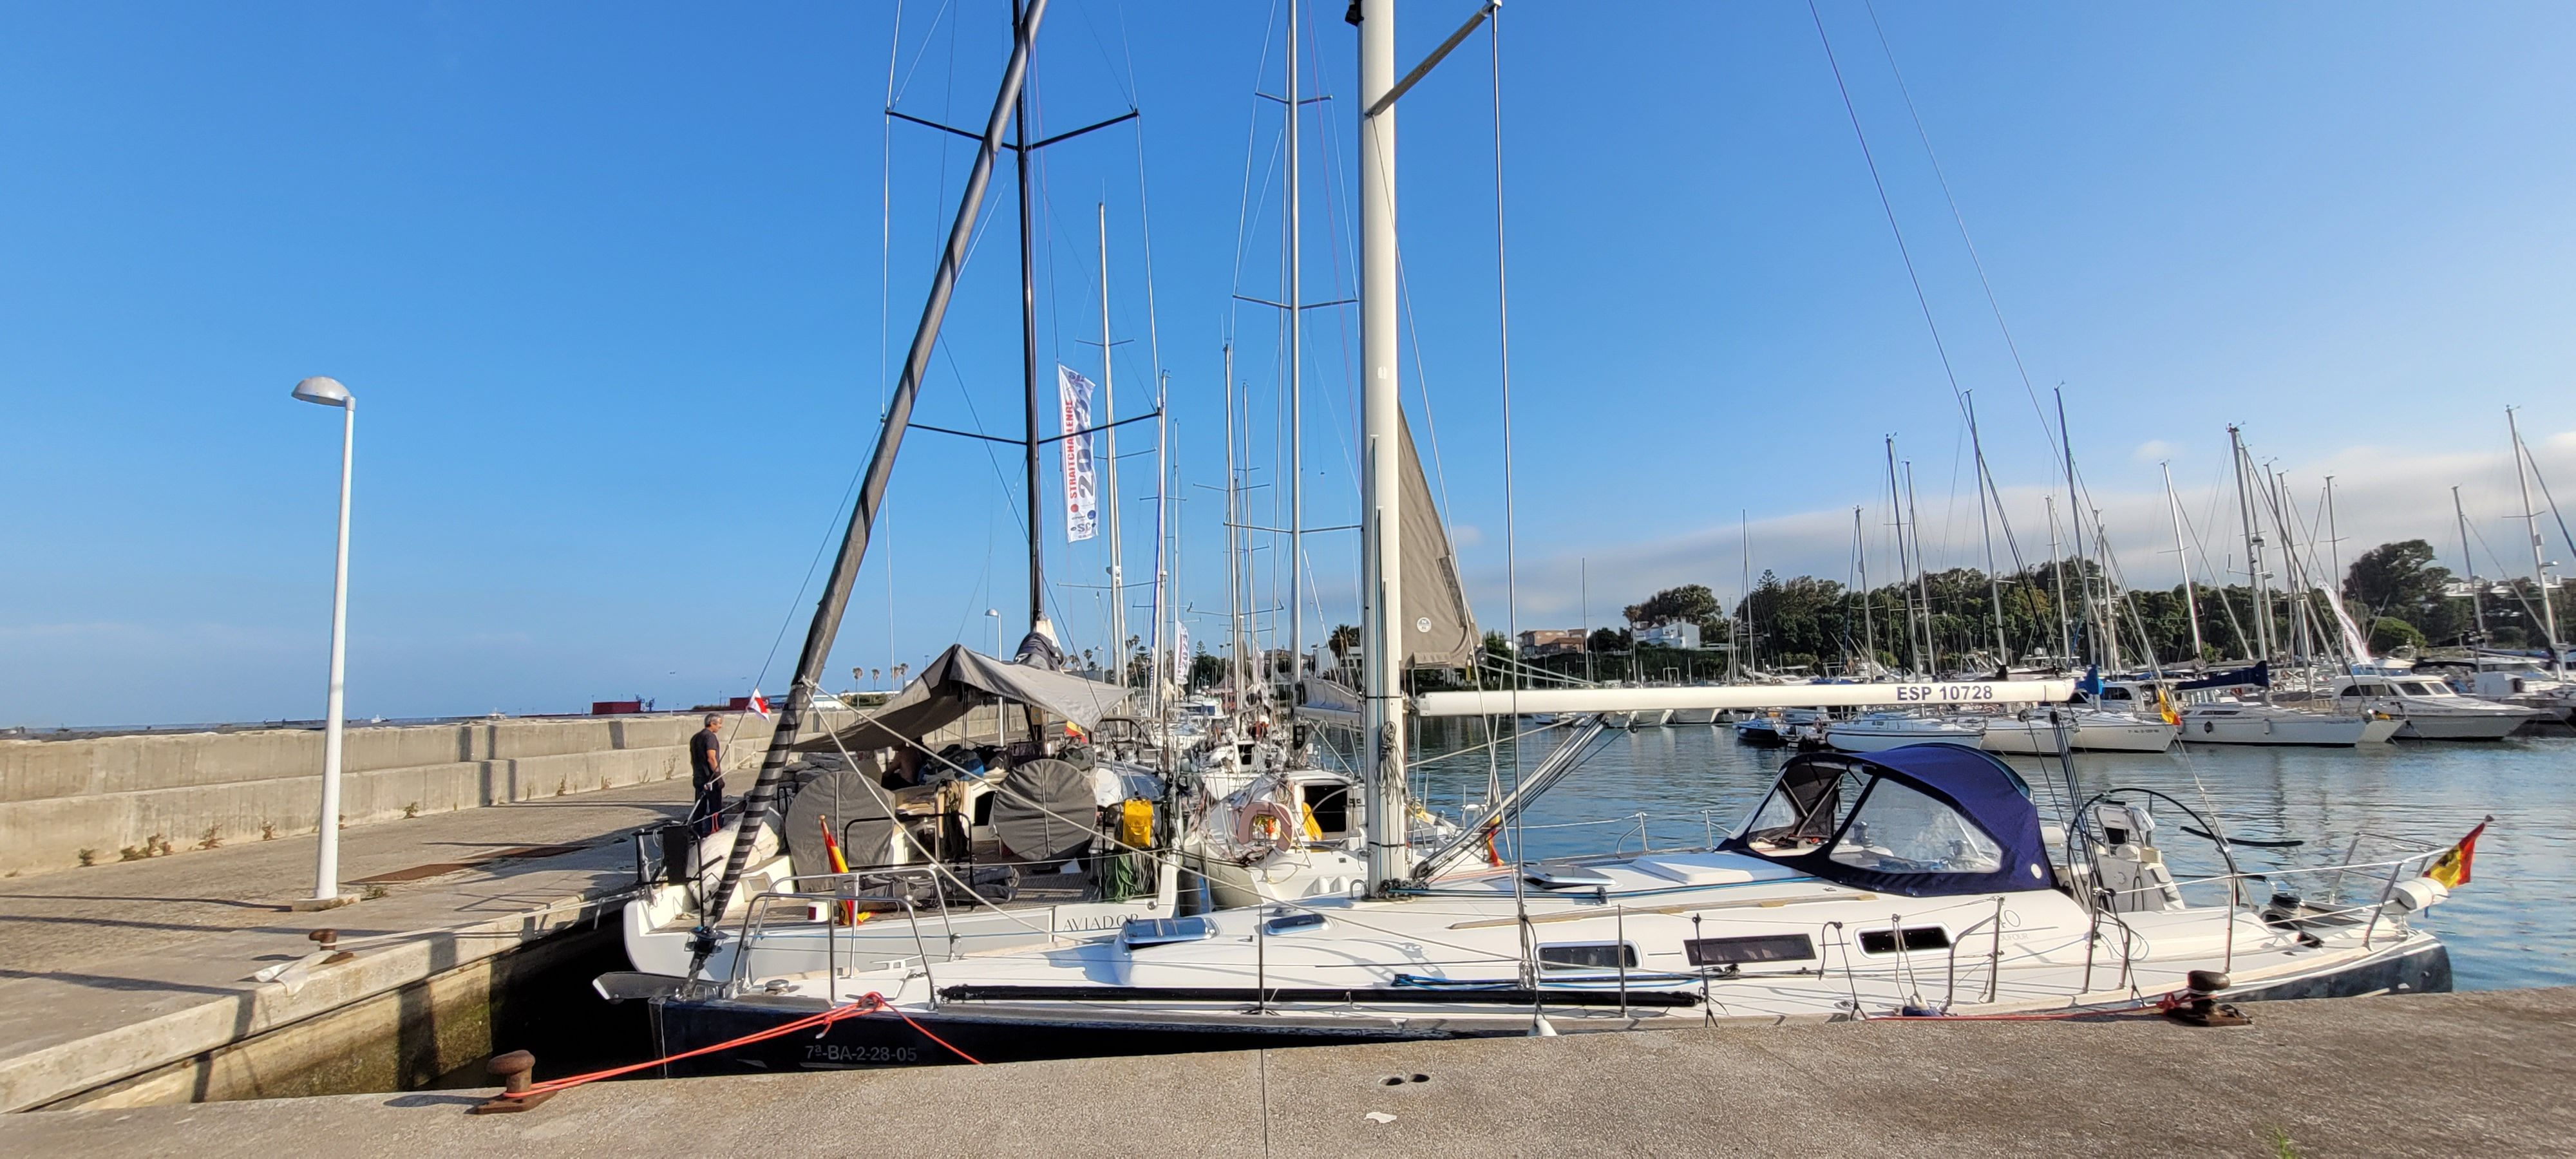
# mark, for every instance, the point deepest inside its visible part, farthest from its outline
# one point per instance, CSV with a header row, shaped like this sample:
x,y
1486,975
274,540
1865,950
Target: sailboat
x,y
1855,880
1004,844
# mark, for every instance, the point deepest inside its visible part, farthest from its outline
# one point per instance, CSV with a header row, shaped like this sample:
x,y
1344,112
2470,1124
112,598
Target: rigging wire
x,y
1511,571
1961,220
885,305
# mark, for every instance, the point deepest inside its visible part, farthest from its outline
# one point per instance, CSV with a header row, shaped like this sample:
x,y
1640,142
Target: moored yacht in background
x,y
2428,709
1881,731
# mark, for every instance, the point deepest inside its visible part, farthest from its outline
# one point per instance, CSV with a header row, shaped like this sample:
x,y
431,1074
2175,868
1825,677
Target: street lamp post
x,y
326,867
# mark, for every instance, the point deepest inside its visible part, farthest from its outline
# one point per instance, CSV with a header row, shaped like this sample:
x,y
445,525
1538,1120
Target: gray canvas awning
x,y
962,678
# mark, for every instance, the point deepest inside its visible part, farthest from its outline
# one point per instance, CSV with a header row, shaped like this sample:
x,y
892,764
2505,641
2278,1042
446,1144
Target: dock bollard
x,y
329,941
513,1070
2200,1005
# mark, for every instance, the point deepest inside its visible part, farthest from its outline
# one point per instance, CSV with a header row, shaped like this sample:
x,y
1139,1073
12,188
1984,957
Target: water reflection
x,y
2510,927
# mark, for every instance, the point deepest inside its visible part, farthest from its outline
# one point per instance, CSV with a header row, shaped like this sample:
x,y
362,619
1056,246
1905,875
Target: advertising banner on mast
x,y
1081,492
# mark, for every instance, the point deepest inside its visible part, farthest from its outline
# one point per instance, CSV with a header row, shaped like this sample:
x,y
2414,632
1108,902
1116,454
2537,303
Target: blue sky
x,y
607,283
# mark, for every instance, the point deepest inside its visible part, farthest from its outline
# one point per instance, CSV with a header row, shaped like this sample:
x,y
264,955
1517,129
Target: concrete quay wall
x,y
101,797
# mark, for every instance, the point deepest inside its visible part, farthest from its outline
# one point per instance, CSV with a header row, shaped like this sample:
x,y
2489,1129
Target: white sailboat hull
x,y
2103,732
2286,727
1869,736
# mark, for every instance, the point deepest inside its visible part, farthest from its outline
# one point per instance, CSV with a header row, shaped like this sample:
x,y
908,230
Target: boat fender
x,y
2415,894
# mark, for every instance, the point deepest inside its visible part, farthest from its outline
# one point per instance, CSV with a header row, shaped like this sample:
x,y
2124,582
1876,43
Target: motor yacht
x,y
2427,709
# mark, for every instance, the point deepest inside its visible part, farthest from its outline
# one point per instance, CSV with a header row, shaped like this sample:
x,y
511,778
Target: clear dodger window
x,y
1803,809
1901,829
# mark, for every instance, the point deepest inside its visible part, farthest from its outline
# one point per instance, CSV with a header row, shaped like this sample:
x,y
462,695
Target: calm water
x,y
2513,925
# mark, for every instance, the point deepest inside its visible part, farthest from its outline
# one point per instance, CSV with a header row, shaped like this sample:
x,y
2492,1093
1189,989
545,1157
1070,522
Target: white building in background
x,y
1681,634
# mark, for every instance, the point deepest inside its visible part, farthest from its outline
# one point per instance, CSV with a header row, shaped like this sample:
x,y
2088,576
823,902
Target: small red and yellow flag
x,y
2165,709
2452,867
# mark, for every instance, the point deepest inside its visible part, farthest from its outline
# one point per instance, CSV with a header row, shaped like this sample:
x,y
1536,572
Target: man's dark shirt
x,y
702,759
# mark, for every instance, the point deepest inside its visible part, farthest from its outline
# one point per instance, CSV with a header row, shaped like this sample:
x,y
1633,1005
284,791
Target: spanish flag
x,y
2165,709
2452,867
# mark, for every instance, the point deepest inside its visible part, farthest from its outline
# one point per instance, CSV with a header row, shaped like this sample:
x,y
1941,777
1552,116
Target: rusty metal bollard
x,y
329,941
513,1070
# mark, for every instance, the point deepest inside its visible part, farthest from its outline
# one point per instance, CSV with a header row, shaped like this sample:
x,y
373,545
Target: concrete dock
x,y
132,982
2483,1074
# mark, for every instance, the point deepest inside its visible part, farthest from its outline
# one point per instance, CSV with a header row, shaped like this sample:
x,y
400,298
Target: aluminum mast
x,y
1381,417
1296,396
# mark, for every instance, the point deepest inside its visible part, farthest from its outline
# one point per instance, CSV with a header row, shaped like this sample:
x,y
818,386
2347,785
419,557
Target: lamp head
x,y
326,391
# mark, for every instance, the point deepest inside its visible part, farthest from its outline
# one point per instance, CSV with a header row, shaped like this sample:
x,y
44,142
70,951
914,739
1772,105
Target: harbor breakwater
x,y
87,800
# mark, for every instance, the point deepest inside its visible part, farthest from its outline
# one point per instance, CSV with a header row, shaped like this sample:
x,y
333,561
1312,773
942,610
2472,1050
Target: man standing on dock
x,y
706,774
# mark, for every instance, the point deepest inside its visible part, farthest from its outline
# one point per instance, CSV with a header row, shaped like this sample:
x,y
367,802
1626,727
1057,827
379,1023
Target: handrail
x,y
1994,959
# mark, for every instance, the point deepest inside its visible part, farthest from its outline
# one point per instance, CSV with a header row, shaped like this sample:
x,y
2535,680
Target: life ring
x,y
1266,823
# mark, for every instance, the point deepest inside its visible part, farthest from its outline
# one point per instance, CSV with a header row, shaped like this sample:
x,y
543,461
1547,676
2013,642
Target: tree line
x,y
2394,593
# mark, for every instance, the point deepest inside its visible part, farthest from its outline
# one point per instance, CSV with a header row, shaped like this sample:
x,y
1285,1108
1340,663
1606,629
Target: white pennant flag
x,y
1181,656
1081,495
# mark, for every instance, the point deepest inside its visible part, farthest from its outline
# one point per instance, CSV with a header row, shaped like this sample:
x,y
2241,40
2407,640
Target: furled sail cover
x,y
1044,810
1438,631
958,680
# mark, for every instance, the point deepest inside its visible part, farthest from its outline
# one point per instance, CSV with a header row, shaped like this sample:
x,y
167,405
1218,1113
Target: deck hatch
x,y
1139,933
1587,956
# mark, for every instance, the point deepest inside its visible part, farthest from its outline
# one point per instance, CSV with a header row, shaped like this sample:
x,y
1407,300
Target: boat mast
x,y
1905,578
1109,424
1994,583
2057,569
2303,644
2334,539
2246,512
1029,352
1233,559
2109,604
1922,583
1155,672
1744,551
2539,560
2477,606
2075,518
854,541
1296,393
1381,418
2182,554
1860,559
